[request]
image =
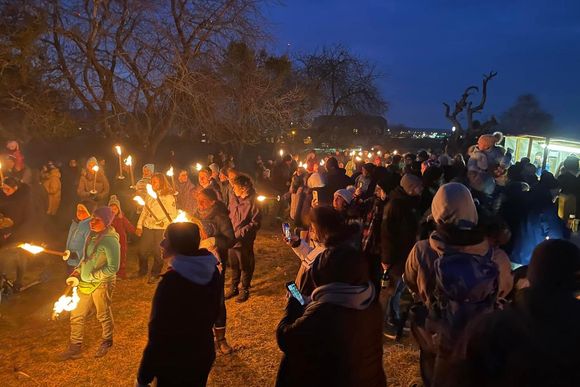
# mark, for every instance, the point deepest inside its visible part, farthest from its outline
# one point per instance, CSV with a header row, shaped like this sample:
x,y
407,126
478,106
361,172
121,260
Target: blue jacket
x,y
75,242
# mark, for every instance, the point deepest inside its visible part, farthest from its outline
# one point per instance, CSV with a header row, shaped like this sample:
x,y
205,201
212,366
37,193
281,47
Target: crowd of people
x,y
469,254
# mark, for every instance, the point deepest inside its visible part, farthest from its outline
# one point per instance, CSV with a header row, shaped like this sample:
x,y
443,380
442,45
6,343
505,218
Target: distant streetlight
x,y
453,129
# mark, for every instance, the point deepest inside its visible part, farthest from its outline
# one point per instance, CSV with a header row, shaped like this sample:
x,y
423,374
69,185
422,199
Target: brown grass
x,y
29,342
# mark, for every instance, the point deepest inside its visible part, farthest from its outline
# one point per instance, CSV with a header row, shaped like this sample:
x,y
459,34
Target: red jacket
x,y
122,225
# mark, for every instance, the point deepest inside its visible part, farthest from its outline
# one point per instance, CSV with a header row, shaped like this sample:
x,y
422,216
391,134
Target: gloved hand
x,y
72,281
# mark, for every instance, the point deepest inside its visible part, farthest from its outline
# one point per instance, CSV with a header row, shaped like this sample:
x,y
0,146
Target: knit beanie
x,y
150,167
486,141
346,194
87,205
555,266
453,204
115,201
105,214
412,184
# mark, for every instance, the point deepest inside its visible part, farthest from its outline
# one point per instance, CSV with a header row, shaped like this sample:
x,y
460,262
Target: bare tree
x,y
464,135
246,98
125,60
343,83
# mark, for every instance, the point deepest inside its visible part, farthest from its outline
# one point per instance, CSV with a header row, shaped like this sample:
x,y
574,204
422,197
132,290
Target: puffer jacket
x,y
101,261
146,220
75,242
87,184
52,185
419,270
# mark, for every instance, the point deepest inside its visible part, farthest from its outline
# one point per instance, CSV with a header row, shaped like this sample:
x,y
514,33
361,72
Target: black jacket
x,y
181,345
18,207
337,179
399,229
217,224
330,345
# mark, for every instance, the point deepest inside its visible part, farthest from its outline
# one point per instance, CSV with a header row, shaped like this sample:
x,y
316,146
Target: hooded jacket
x,y
147,220
123,227
78,233
184,309
101,261
52,186
334,341
246,217
216,224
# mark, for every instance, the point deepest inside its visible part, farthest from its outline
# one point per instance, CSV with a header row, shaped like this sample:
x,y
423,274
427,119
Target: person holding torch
x,y
162,209
93,183
95,279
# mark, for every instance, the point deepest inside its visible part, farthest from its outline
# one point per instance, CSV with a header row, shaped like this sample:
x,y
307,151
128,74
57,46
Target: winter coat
x,y
87,184
281,176
337,179
78,233
101,261
216,224
53,187
226,192
180,345
534,343
420,272
186,196
531,217
146,220
18,208
246,218
141,186
123,227
330,345
399,229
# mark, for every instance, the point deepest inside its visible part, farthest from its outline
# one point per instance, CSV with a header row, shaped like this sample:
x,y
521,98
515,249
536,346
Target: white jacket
x,y
146,220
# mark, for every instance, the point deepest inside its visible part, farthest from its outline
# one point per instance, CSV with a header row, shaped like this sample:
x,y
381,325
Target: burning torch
x,y
34,250
141,202
96,170
118,149
69,299
129,163
151,192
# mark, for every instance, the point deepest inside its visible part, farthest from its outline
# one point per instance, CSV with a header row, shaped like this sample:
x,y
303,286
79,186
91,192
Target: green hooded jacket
x,y
101,261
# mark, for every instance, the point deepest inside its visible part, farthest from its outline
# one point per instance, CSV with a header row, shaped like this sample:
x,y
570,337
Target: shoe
x,y
153,280
221,344
390,331
74,351
232,293
104,348
243,297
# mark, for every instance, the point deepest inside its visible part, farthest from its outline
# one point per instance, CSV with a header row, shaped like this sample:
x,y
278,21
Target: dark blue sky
x,y
430,50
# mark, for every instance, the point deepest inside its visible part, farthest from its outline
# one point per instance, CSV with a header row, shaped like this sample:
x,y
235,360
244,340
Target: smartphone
x,y
286,231
293,289
315,195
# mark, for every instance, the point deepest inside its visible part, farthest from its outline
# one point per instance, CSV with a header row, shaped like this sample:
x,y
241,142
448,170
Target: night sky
x,y
430,50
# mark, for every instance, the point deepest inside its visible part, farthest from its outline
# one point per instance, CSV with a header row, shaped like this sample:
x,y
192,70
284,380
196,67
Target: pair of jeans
x,y
149,245
242,261
101,298
394,307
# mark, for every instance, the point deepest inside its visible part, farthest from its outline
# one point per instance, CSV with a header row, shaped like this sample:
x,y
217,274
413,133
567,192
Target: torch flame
x,y
198,167
95,168
281,152
369,155
33,249
139,200
118,149
169,172
181,217
358,158
129,161
67,303
322,162
151,192
261,198
360,154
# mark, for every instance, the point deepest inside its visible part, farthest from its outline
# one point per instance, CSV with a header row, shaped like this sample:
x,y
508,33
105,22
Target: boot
x,y
244,295
104,348
232,292
74,351
221,345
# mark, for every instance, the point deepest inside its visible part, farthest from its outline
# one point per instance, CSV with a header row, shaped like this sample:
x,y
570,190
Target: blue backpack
x,y
466,286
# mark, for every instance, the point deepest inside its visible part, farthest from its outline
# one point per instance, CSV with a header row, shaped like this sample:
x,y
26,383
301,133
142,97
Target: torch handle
x,y
54,252
164,209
